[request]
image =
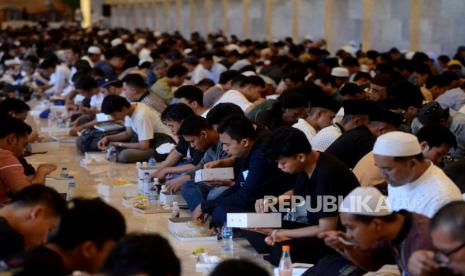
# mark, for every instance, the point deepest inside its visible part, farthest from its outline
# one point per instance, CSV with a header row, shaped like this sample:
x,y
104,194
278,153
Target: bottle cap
x,y
286,248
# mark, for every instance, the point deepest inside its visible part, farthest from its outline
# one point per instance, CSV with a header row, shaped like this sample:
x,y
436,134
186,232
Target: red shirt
x,y
11,171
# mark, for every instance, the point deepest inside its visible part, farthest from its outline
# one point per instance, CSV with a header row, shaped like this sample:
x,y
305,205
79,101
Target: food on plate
x,y
119,181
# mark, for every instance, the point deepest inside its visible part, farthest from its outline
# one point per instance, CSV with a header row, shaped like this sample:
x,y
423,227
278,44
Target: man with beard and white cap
x,y
375,234
414,184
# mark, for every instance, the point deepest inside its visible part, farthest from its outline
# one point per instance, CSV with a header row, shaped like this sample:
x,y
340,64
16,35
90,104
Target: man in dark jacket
x,y
256,176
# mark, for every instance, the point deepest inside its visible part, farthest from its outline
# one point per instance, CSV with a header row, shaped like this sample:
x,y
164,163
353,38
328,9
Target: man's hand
x,y
46,169
333,239
103,143
160,174
74,131
212,164
422,263
262,205
174,185
275,237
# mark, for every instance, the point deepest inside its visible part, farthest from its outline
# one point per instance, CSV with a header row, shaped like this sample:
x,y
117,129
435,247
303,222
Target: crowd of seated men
x,y
291,118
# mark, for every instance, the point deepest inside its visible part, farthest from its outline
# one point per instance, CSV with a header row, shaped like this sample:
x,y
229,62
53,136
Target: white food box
x,y
297,269
44,146
167,198
254,220
102,117
106,189
214,174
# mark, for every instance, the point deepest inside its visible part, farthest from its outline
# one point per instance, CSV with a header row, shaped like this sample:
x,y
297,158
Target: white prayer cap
x,y
340,72
232,47
249,73
397,144
116,42
94,50
145,55
367,201
409,55
141,41
13,61
268,80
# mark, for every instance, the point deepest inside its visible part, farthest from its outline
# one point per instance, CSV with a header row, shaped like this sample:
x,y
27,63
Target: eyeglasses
x,y
443,258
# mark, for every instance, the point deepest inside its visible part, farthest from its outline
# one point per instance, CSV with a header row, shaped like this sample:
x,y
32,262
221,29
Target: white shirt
x,y
306,128
201,73
145,121
238,65
432,190
96,101
59,79
235,97
325,137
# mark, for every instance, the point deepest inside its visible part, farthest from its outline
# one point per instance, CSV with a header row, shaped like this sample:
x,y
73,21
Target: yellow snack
x,y
198,251
119,181
141,206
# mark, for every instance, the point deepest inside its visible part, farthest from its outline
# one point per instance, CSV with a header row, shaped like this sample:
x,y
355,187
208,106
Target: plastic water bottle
x,y
152,162
227,246
71,187
147,186
154,202
285,264
64,172
175,210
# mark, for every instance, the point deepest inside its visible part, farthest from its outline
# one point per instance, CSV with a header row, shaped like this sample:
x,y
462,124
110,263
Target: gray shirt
x,y
215,152
453,99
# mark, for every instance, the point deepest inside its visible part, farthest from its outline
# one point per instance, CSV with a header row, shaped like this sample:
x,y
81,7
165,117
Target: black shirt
x,y
192,155
352,145
11,242
39,261
329,178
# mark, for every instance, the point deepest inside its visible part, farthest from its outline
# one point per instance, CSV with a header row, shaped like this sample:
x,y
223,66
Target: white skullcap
x,y
366,201
232,47
409,55
145,54
268,80
397,144
340,72
309,37
141,41
249,73
364,68
116,42
94,50
13,61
